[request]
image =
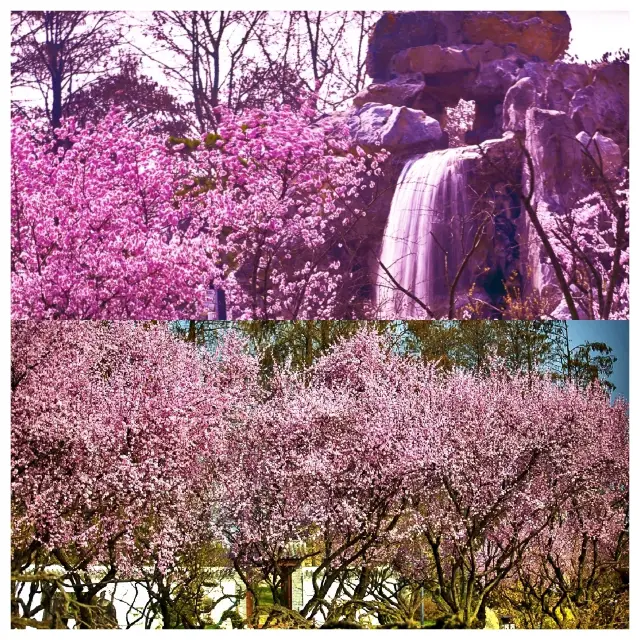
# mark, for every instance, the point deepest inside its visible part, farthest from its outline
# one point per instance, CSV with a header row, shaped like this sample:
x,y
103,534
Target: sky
x,y
615,333
595,32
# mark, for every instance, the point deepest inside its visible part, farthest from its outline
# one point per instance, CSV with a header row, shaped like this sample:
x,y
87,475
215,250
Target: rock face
x,y
558,182
604,151
432,58
544,34
401,91
396,129
595,98
555,154
559,83
603,105
519,99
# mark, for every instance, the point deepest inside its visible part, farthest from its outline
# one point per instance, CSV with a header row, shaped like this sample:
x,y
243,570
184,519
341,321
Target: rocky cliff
x,y
528,99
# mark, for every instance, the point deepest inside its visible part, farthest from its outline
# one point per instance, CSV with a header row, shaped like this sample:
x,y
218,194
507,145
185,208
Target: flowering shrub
x,y
459,121
95,226
284,193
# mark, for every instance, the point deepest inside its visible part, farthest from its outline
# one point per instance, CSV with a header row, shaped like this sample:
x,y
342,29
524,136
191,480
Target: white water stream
x,y
425,235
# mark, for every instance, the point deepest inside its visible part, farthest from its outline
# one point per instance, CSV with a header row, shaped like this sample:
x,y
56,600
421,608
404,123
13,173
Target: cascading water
x,y
425,236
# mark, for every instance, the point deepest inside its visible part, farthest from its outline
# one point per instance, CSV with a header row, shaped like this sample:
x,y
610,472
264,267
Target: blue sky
x,y
615,333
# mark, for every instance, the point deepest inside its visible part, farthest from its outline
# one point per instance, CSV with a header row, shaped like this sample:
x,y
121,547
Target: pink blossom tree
x,y
108,221
576,575
284,191
515,453
113,438
132,449
373,457
95,226
319,472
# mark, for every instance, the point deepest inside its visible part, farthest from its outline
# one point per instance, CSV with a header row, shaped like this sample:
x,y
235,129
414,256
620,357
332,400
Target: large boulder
x,y
499,155
562,81
596,98
493,80
556,157
561,312
558,182
396,129
396,31
537,71
604,105
519,99
432,58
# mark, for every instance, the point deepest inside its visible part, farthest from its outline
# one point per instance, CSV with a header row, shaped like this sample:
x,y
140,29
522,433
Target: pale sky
x,y
592,34
595,32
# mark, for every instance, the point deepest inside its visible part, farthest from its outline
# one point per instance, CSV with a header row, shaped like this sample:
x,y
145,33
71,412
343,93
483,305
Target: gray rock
x,y
396,129
396,31
434,59
561,312
558,182
604,151
544,34
562,82
401,91
504,149
493,80
555,155
537,72
519,99
604,105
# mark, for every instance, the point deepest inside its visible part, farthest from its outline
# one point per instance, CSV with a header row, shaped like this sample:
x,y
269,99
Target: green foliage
x,y
582,364
534,346
529,345
190,143
211,139
298,343
237,621
524,344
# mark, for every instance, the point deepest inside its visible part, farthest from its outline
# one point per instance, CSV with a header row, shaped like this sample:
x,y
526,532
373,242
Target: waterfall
x,y
426,233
